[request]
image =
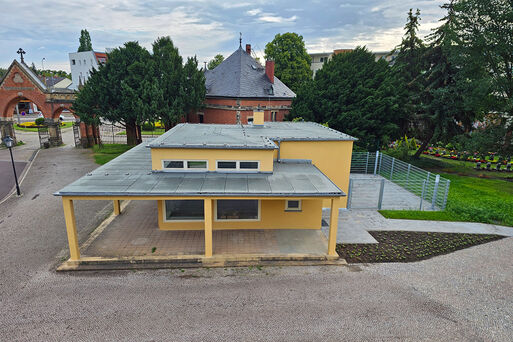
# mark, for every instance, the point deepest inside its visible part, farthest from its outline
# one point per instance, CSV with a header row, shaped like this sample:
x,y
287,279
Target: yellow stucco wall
x,y
272,216
333,158
264,156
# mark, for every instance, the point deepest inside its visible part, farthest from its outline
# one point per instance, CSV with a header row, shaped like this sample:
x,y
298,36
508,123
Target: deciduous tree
x,y
218,59
85,41
487,29
292,62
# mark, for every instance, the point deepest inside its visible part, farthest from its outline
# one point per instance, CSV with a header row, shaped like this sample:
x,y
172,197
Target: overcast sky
x,y
50,28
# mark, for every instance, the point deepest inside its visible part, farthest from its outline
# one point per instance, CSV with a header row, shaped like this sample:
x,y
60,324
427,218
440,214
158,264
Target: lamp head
x,y
8,141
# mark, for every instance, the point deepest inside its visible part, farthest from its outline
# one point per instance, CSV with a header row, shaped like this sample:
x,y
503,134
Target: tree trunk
x,y
507,139
131,133
422,147
96,135
167,125
139,135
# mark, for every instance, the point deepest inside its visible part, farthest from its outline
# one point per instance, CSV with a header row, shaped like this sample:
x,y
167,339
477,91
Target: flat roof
x,y
130,174
221,136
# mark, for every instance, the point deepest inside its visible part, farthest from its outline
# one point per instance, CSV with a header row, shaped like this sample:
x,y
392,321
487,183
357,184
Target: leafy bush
x,y
40,121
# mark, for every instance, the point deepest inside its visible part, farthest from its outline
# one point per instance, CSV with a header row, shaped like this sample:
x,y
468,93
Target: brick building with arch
x,y
20,83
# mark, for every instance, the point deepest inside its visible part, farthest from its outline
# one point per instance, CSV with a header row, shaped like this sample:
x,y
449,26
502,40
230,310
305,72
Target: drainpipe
x,y
279,145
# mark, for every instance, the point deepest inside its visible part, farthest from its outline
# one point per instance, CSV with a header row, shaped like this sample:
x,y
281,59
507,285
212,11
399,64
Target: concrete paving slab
x,y
355,225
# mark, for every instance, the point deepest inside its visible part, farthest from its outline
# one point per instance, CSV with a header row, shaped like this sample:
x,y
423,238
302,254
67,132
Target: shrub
x,y
40,121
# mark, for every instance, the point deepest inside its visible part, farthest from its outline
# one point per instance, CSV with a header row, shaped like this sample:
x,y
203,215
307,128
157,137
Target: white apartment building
x,y
82,63
319,58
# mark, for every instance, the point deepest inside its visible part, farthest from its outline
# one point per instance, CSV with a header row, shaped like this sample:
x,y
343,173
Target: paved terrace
x,y
135,233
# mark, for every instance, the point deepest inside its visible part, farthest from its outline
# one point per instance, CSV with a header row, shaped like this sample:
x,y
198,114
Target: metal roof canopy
x,y
219,136
130,175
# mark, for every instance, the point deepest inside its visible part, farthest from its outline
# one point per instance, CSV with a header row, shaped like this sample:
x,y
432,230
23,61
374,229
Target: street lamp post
x,y
9,142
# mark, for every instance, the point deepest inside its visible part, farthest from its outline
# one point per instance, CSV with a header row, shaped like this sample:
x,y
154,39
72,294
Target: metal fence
x,y
382,182
115,134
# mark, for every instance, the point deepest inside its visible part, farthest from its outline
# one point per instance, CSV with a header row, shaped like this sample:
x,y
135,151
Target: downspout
x,y
279,146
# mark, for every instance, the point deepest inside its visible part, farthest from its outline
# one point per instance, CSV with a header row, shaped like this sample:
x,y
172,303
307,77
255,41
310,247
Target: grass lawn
x,y
471,198
409,246
157,131
34,129
108,152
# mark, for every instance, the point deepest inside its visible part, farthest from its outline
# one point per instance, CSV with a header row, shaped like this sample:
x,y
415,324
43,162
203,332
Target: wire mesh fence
x,y
115,134
384,182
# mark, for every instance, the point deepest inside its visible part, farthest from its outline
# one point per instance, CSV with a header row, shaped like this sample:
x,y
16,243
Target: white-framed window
x,y
184,210
184,165
237,210
73,62
250,120
238,165
293,205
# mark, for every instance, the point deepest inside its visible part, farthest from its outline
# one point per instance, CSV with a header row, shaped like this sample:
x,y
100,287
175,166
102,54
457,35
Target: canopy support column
x,y
71,228
332,241
208,227
117,207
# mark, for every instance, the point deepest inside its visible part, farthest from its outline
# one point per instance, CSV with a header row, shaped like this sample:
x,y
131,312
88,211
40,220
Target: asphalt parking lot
x,y
463,296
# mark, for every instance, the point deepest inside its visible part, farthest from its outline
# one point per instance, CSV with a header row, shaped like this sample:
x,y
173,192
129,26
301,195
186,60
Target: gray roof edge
x,y
295,161
198,194
250,97
328,178
216,147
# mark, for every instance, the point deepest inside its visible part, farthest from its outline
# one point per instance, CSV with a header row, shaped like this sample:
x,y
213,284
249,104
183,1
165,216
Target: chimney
x,y
248,49
269,70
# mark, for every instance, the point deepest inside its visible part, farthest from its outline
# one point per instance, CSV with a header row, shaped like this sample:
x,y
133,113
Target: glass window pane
x,y
249,165
193,164
293,204
173,164
184,209
237,209
226,165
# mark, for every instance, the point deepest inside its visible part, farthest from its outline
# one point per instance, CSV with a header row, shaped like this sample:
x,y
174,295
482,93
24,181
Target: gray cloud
x,y
50,28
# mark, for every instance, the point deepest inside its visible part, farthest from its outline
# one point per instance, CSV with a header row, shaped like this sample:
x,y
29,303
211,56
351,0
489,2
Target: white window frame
x,y
237,166
240,220
185,166
299,208
164,212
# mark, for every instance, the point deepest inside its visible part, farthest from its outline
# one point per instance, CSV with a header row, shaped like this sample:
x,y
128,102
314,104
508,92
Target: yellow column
x,y
332,241
71,228
208,227
117,207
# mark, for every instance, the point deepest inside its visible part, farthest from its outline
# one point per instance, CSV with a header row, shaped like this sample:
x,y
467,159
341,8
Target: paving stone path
x,y
354,226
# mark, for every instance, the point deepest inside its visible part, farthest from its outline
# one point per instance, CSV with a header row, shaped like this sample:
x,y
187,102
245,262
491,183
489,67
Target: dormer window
x,y
238,165
184,165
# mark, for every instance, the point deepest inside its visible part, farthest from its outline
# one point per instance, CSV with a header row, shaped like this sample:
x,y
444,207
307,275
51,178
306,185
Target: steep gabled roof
x,y
27,71
240,76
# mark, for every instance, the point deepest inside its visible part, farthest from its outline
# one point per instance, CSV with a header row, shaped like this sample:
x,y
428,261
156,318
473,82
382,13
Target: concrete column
x,y
209,218
54,132
332,240
117,207
71,228
7,128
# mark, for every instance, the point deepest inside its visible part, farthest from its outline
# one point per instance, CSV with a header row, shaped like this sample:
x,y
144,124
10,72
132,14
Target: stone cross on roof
x,y
21,53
